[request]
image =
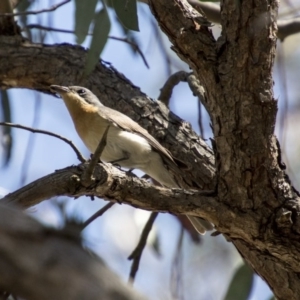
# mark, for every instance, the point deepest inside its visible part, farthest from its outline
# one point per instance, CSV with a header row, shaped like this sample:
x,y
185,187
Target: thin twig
x,y
137,252
70,143
133,45
288,27
35,12
87,176
176,268
98,214
166,90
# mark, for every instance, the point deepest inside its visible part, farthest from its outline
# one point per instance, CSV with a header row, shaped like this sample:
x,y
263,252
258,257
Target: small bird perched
x,y
127,143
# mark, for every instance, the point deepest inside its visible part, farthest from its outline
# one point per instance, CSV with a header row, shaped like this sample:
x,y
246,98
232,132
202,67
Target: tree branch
x,y
167,89
88,177
212,11
288,27
237,78
114,185
138,251
125,40
35,12
42,263
96,215
23,65
34,130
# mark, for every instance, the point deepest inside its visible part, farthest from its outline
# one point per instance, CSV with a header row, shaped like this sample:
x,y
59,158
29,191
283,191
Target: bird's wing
x,y
128,124
124,122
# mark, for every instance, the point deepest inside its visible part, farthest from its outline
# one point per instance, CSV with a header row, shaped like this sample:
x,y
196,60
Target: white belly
x,y
140,155
121,144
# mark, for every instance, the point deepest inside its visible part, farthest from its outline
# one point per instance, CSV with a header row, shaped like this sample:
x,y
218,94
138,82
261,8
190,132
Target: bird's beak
x,y
59,89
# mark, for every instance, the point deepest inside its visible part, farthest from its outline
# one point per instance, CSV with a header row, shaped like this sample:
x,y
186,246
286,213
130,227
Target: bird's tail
x,y
168,173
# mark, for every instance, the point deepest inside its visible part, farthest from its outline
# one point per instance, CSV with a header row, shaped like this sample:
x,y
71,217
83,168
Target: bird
x,y
127,143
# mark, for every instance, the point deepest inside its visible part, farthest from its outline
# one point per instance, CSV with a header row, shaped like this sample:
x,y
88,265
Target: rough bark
x,y
32,66
236,74
114,185
255,204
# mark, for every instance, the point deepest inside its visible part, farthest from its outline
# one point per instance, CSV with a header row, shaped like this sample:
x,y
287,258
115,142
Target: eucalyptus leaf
x,y
84,15
6,141
126,11
23,6
241,284
100,35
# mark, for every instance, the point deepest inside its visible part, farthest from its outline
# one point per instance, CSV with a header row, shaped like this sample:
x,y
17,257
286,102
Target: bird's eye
x,y
81,92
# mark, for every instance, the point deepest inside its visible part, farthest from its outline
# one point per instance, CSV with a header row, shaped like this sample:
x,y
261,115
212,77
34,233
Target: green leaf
x,y
100,34
126,11
23,6
84,14
241,284
7,137
109,3
155,244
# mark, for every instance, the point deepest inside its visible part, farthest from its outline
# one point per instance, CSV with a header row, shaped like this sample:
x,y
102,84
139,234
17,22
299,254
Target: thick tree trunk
x,y
236,72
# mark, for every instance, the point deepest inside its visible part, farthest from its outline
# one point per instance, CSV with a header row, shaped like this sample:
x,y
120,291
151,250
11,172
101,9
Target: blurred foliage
x,y
23,6
6,138
100,35
127,13
84,15
241,284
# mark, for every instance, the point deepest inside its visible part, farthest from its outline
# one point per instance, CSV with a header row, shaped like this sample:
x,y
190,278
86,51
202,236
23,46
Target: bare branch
x,y
98,214
49,264
170,130
176,268
35,12
288,27
167,89
114,185
137,252
70,143
87,177
132,44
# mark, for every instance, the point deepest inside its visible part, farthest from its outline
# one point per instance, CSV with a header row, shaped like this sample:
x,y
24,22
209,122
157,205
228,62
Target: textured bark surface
x,y
253,202
235,71
112,184
27,65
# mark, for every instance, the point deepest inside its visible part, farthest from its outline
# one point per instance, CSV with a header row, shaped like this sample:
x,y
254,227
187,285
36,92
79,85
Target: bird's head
x,y
76,95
